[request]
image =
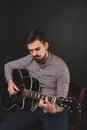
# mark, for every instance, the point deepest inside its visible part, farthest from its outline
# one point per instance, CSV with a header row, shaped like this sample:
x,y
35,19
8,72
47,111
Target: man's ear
x,y
46,45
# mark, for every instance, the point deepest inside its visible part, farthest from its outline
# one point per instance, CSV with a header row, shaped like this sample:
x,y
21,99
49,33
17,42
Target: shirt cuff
x,y
59,109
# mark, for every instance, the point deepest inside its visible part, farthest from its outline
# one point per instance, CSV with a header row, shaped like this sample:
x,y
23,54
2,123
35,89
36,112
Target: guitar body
x,y
22,80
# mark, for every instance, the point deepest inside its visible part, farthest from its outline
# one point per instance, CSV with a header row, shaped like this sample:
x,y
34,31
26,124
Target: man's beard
x,y
40,61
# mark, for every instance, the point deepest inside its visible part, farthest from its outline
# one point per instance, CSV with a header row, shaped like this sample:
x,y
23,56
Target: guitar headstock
x,y
69,103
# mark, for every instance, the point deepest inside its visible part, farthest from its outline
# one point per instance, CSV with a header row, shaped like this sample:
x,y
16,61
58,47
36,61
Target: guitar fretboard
x,y
68,103
37,95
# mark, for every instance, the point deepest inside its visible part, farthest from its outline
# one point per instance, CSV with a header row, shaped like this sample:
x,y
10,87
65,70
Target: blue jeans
x,y
23,120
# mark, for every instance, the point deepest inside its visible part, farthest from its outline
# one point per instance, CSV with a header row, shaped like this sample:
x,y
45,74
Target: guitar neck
x,y
37,95
67,103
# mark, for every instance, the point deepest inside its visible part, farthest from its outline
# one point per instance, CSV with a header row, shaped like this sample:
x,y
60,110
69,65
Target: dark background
x,y
65,23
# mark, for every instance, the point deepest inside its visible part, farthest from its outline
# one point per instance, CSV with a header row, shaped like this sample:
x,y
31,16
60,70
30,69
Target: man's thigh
x,y
58,121
20,120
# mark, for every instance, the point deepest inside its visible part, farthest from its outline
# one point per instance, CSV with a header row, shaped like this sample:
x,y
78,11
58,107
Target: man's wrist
x,y
59,109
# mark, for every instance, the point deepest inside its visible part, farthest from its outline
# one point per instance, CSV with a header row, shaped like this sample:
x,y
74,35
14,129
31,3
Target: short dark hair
x,y
36,34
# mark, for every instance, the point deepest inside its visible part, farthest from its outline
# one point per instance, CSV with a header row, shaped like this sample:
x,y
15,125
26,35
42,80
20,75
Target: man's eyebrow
x,y
34,49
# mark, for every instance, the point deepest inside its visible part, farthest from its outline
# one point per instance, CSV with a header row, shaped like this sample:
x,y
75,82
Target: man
x,y
53,76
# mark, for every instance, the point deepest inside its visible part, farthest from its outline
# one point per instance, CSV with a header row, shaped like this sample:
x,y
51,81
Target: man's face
x,y
38,50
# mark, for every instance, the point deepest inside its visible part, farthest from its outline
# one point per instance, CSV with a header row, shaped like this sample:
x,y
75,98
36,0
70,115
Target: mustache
x,y
36,56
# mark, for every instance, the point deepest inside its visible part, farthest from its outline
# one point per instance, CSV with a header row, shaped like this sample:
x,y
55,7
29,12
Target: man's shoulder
x,y
58,61
28,57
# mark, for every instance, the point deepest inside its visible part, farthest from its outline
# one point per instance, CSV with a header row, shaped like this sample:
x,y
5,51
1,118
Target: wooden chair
x,y
75,117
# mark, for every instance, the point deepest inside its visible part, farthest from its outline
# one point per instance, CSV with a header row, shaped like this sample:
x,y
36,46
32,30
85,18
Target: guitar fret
x,y
39,96
30,94
35,95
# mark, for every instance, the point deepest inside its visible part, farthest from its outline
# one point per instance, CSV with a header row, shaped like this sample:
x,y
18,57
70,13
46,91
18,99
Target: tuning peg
x,y
79,104
65,106
71,111
70,100
61,105
69,107
80,111
66,100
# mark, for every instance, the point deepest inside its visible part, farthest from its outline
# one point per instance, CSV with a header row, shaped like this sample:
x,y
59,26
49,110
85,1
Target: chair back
x,y
75,116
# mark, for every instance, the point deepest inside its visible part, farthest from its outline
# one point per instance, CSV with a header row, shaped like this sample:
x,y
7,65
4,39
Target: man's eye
x,y
30,51
37,49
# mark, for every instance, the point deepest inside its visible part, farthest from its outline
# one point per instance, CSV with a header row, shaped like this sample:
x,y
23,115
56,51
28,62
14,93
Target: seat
x,y
75,117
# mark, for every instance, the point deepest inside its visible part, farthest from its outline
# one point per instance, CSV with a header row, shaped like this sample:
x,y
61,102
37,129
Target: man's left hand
x,y
49,107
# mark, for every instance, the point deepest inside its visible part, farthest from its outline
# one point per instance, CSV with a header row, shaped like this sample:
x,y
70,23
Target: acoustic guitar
x,y
30,93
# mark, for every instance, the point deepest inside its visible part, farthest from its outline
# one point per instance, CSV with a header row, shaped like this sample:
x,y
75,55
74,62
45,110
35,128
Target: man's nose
x,y
34,53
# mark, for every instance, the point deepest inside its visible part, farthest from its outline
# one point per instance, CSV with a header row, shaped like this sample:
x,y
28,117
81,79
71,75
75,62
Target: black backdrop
x,y
65,24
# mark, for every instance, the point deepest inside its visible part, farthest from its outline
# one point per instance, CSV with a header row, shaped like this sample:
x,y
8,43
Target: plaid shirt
x,y
53,76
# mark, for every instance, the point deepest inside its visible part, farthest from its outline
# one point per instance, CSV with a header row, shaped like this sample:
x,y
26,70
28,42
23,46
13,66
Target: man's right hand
x,y
12,88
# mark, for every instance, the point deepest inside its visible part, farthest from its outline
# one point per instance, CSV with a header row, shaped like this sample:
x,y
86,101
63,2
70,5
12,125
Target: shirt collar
x,y
48,60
